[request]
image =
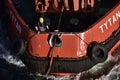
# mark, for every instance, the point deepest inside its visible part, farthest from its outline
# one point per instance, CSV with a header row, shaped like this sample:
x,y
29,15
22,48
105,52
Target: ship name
x,y
110,21
14,20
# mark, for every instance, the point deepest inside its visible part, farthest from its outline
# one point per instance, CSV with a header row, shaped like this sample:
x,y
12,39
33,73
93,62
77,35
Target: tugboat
x,y
64,36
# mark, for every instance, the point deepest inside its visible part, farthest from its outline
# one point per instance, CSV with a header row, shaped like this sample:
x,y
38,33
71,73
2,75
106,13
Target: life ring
x,y
97,53
19,46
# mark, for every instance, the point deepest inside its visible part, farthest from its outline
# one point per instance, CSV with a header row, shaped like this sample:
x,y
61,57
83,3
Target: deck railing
x,y
74,5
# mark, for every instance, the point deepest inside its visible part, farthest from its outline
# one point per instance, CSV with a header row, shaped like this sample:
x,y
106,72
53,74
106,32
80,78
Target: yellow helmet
x,y
41,19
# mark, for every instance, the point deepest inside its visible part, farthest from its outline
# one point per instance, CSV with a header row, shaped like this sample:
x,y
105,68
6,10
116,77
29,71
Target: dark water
x,y
12,68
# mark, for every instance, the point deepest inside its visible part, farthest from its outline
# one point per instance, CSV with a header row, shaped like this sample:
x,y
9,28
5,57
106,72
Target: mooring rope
x,y
51,61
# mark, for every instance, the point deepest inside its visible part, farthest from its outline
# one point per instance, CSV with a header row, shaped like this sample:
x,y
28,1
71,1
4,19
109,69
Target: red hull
x,y
102,37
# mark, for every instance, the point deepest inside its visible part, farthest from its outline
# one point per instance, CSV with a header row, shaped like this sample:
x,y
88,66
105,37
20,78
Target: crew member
x,y
43,24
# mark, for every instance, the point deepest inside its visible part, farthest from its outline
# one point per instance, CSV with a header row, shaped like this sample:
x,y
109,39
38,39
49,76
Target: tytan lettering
x,y
106,25
101,28
109,20
114,19
117,15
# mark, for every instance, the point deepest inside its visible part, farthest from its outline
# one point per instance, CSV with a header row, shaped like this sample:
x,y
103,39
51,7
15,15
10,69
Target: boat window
x,y
63,15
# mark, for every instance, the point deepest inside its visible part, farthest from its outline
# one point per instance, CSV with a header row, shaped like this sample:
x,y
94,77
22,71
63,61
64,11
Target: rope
x,y
81,39
52,51
51,61
60,18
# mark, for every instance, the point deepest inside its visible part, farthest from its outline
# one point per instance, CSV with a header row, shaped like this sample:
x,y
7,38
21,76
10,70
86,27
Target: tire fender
x,y
19,46
97,52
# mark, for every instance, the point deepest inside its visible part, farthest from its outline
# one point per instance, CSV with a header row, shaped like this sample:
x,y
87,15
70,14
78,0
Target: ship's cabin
x,y
62,15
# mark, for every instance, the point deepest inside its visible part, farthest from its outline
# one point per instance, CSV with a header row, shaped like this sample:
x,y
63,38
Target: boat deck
x,y
73,22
